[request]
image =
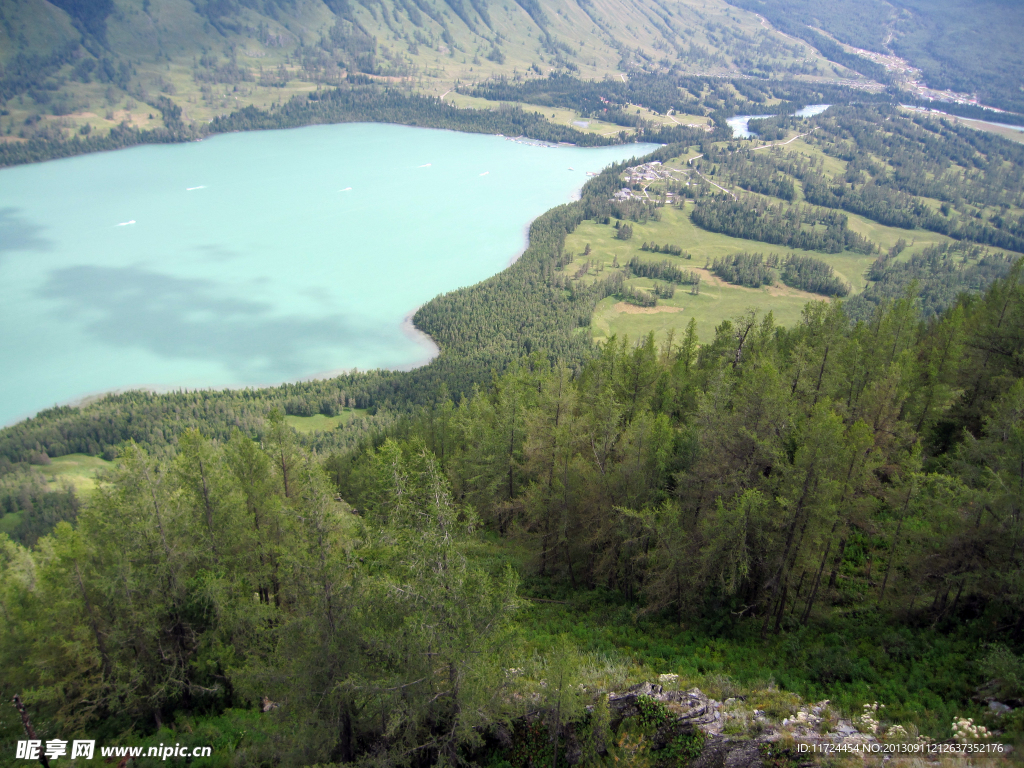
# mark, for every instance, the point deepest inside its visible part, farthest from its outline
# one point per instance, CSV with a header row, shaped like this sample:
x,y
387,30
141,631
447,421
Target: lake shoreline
x,y
234,273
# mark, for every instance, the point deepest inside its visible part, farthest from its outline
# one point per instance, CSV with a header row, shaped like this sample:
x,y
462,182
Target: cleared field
x,y
76,468
321,423
717,300
9,523
831,165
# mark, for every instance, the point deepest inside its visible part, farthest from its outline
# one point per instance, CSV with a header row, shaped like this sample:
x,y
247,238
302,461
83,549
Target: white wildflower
x,y
966,732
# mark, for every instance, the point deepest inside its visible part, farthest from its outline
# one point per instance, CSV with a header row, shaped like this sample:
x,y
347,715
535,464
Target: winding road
x,y
766,146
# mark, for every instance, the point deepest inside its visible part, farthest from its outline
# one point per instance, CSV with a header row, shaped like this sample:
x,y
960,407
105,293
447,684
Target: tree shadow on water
x,y
18,234
186,318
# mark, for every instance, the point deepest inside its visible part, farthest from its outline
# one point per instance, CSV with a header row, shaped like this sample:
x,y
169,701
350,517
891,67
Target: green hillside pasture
x,y
9,523
832,166
718,300
1007,133
660,119
78,469
320,423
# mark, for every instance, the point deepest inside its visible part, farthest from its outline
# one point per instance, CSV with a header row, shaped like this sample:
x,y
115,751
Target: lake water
x,y
255,258
811,110
1004,125
740,123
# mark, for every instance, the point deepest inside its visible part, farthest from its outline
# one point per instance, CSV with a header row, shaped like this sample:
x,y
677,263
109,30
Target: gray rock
x,y
692,710
723,752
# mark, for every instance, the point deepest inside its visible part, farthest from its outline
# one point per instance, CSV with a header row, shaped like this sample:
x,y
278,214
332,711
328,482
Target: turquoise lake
x,y
255,258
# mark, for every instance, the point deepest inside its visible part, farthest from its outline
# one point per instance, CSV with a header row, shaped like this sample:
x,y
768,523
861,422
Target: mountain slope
x,y
73,63
967,47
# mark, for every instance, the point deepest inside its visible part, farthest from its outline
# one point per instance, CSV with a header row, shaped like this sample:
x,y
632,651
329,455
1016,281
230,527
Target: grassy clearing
x,y
9,523
717,301
1007,133
78,469
838,660
981,125
831,165
320,423
837,168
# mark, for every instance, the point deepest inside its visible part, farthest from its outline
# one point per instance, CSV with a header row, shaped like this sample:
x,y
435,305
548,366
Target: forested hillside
x,y
767,480
768,487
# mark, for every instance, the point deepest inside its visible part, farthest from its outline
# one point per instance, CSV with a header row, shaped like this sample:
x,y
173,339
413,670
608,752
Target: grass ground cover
x,y
836,168
1012,134
77,468
320,423
9,523
717,300
214,59
925,675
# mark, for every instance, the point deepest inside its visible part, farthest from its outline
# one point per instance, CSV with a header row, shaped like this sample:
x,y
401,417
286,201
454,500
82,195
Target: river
x,y
740,123
254,258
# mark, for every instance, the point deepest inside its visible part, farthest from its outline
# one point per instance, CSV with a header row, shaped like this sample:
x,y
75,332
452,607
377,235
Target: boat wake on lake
x,y
193,189
425,165
126,223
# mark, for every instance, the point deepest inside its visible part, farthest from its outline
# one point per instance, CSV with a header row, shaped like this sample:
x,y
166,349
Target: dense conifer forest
x,y
758,220
810,274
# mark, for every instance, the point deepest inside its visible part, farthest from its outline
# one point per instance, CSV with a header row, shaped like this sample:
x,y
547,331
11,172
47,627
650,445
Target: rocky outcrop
x,y
741,744
733,733
725,752
692,710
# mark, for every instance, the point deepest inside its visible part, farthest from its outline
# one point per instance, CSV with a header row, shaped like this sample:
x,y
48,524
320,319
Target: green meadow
x,y
78,469
320,423
717,300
